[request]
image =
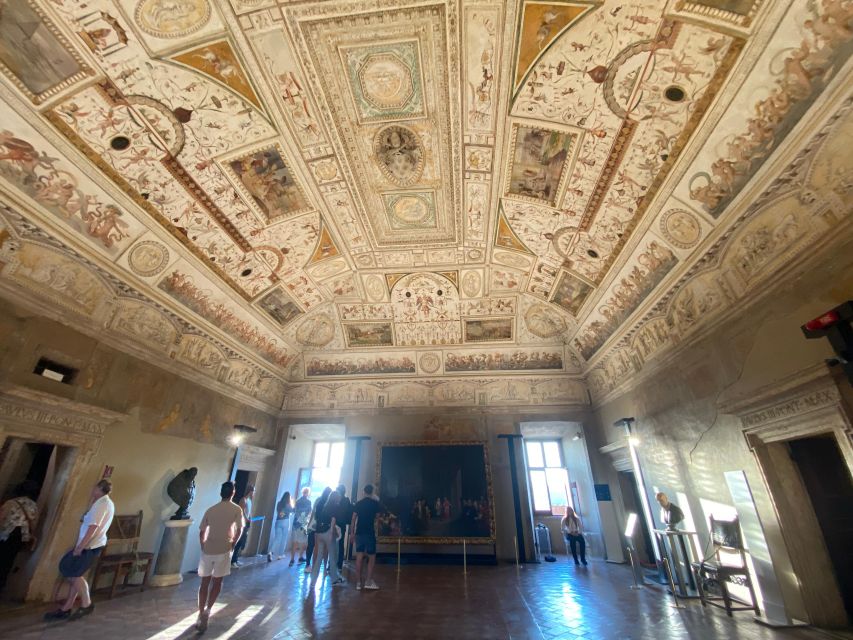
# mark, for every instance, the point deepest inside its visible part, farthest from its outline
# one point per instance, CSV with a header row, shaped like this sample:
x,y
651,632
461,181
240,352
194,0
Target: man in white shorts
x,y
219,531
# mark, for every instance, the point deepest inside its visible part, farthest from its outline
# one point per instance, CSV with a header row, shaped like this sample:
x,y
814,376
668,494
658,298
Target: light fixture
x,y
836,325
240,433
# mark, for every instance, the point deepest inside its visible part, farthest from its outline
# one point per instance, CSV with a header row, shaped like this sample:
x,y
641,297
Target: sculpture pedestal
x,y
167,571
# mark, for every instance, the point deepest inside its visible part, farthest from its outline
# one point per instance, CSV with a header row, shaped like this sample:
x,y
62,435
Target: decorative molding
x,y
618,454
254,458
803,403
158,336
29,406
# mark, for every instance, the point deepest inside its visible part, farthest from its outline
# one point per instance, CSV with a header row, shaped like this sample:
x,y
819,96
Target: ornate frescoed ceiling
x,y
385,189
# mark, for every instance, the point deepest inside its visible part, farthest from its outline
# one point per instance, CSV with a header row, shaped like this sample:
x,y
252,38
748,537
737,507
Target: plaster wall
x,y
686,443
169,424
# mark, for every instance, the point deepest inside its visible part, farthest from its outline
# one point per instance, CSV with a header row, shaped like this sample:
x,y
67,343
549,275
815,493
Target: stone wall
x,y
686,441
164,424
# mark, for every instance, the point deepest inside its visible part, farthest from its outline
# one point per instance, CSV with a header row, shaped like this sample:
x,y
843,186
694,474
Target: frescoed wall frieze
x,y
800,211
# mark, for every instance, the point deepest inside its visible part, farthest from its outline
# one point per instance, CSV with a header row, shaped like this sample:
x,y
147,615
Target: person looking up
x,y
91,541
220,529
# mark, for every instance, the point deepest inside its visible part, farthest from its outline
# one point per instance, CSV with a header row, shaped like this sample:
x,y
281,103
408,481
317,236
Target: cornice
x,y
23,404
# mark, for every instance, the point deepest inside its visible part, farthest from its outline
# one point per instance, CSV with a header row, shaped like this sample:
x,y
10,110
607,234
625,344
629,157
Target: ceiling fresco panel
x,y
809,49
383,78
283,73
267,183
219,61
32,167
37,58
372,188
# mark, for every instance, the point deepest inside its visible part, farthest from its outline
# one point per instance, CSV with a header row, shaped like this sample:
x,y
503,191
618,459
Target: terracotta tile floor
x,y
538,601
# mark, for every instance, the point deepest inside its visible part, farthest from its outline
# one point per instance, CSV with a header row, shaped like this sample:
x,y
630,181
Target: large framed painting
x,y
435,492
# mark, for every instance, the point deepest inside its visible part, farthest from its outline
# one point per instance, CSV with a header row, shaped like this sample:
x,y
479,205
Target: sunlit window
x,y
325,470
549,480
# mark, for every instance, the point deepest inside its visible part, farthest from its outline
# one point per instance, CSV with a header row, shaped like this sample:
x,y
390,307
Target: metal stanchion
x,y
515,544
668,570
634,570
464,557
398,554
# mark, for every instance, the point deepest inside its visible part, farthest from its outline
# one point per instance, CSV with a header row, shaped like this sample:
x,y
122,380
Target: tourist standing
x,y
221,527
18,518
571,527
363,524
345,513
90,543
299,533
311,553
246,506
327,531
280,531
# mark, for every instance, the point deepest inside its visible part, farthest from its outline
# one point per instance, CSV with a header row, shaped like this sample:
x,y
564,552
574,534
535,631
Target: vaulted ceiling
x,y
273,191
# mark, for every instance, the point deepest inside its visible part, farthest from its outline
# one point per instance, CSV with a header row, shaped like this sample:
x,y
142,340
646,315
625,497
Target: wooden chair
x,y
121,556
728,544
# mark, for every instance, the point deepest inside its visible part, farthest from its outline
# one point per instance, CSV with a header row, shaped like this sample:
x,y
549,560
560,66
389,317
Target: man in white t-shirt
x,y
90,543
221,527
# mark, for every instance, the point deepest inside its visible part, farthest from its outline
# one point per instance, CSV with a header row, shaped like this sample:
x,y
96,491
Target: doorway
x,y
829,486
642,539
242,479
45,466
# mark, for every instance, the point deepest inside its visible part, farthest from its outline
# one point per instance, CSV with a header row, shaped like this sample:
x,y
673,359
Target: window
x,y
54,371
549,480
325,470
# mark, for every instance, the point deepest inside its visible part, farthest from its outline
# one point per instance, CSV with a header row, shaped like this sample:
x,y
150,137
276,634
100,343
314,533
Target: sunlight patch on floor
x,y
241,621
177,629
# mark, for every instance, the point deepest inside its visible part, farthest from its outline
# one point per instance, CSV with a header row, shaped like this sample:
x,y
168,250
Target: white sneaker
x,y
201,623
370,585
338,583
358,586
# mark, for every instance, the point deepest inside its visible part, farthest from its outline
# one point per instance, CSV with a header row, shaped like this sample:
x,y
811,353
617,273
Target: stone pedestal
x,y
167,571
